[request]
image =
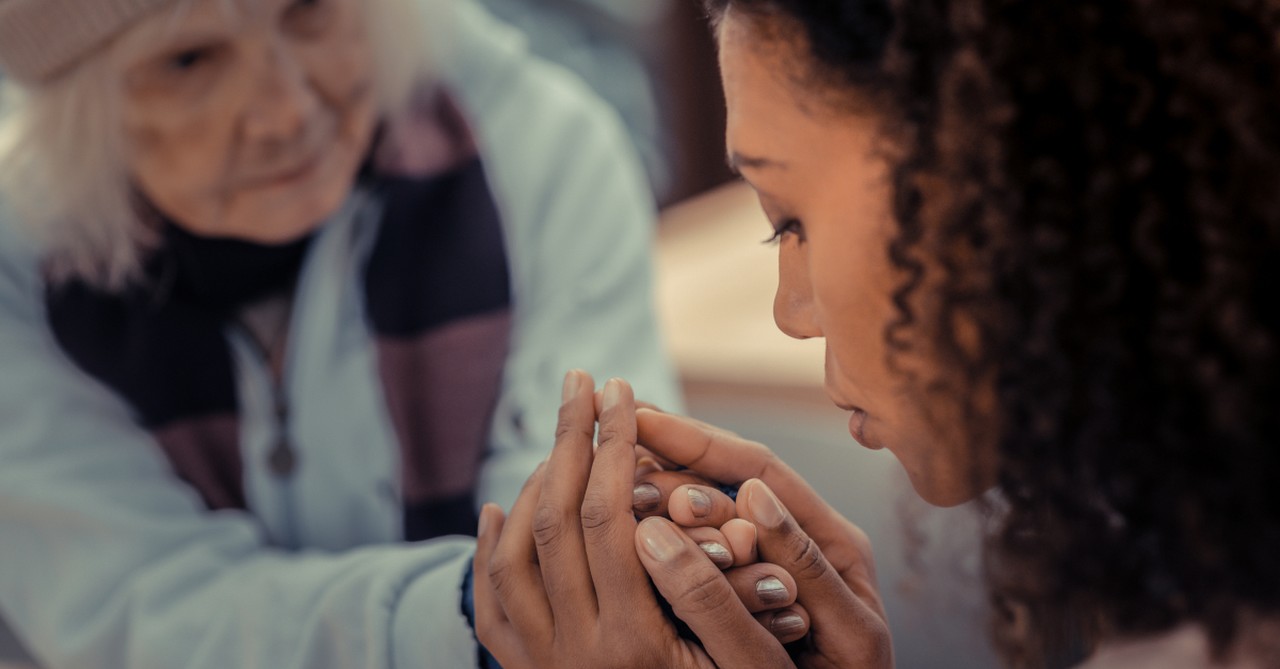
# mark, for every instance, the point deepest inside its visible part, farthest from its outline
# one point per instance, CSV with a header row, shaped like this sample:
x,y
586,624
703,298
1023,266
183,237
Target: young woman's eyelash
x,y
788,226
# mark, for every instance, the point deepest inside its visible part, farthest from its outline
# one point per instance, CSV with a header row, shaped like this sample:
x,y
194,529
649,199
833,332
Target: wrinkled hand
x,y
829,557
559,583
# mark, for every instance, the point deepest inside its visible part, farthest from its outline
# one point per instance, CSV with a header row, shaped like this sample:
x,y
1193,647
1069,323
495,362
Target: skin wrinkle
x,y
273,89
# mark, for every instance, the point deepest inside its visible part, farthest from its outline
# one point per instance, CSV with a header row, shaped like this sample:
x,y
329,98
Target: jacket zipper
x,y
282,458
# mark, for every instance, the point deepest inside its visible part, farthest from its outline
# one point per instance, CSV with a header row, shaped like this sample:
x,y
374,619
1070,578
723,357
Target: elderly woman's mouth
x,y
284,177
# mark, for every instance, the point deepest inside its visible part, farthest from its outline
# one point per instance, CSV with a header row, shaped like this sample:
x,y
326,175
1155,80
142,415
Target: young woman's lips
x,y
857,425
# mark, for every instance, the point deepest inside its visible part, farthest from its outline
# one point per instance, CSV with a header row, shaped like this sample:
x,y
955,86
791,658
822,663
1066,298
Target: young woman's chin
x,y
944,479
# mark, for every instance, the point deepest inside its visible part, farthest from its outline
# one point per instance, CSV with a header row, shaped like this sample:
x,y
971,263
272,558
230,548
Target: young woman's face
x,y
248,119
824,184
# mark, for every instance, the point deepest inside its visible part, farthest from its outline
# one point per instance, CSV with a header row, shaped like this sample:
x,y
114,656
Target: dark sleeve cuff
x,y
484,660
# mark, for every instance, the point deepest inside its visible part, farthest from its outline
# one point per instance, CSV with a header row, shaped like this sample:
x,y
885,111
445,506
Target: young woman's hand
x,y
559,584
829,557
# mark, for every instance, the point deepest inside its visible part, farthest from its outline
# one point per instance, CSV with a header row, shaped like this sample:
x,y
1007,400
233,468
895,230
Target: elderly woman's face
x,y
248,119
825,187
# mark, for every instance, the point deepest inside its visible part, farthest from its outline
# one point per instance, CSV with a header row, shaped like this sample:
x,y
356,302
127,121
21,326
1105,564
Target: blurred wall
x,y
654,61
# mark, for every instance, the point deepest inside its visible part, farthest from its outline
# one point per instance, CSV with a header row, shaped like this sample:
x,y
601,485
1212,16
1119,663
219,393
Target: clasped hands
x,y
568,580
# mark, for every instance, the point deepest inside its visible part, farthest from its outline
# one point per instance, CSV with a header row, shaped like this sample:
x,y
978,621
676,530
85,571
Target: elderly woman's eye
x,y
308,16
188,60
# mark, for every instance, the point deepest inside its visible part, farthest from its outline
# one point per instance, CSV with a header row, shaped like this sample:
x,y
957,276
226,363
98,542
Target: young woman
x,y
283,285
1040,240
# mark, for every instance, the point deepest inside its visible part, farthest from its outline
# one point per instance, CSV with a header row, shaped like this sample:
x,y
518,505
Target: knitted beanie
x,y
40,39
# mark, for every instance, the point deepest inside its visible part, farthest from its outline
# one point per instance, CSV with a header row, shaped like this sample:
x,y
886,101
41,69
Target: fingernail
x,y
570,385
612,393
765,508
647,465
645,497
660,539
699,503
484,522
720,556
787,624
771,591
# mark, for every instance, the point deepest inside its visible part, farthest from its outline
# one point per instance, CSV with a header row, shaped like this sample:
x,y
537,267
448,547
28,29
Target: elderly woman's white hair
x,y
62,157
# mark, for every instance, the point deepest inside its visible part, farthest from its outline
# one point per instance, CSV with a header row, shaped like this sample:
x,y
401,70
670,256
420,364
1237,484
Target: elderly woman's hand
x,y
829,557
728,540
559,584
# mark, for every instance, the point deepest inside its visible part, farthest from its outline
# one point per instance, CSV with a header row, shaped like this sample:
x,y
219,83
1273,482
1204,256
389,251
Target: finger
x,y
488,606
640,404
494,631
608,524
714,544
788,625
513,569
843,623
741,535
557,527
717,454
652,494
700,506
730,459
763,586
645,465
701,596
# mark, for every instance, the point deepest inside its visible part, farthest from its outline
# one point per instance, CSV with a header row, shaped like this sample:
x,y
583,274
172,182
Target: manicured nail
x,y
699,503
645,497
612,394
720,556
787,625
570,385
772,592
660,539
765,508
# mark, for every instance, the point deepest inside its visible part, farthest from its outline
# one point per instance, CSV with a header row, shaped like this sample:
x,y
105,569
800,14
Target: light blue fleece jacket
x,y
108,560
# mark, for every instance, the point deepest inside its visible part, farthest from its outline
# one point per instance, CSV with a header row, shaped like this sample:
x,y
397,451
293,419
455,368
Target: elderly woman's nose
x,y
283,98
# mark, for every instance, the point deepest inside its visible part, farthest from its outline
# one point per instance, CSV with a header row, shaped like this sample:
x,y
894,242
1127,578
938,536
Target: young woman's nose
x,y
283,98
793,306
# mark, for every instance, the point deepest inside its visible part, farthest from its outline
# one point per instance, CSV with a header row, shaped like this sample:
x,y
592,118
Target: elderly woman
x,y
282,285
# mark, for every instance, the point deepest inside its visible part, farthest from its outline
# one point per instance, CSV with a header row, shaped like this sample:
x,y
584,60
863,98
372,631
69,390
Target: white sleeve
x,y
107,560
579,220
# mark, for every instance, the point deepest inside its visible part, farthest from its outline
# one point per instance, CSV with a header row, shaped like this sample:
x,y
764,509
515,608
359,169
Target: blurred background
x,y
655,62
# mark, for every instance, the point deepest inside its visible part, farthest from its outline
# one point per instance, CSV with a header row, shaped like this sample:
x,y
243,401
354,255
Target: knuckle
x,y
706,592
501,576
611,434
487,628
567,426
548,526
876,649
860,540
596,513
805,558
770,464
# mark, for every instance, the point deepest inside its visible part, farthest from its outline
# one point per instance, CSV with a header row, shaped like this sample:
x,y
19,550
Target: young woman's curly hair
x,y
1098,183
